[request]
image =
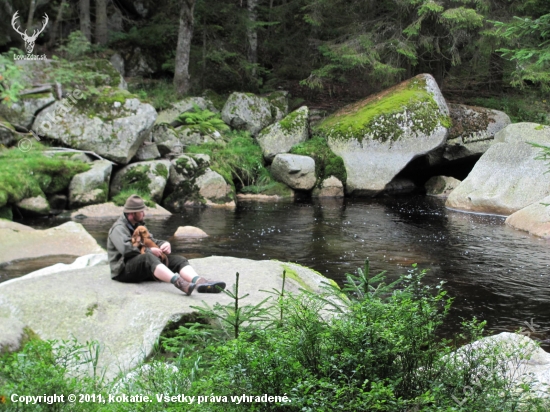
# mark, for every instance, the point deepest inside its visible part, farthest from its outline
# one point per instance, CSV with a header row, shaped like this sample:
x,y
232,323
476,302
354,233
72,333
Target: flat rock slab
x,y
534,219
109,209
67,239
8,224
127,319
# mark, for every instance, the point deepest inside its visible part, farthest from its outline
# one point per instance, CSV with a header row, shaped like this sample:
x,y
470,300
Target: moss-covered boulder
x,y
144,178
170,115
214,189
182,189
22,113
113,124
377,137
246,111
279,104
295,171
91,187
507,177
7,133
166,139
282,135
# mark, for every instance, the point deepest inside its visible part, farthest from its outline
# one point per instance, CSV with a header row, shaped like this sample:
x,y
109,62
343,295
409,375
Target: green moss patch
x,y
102,104
326,162
378,117
135,181
29,174
292,274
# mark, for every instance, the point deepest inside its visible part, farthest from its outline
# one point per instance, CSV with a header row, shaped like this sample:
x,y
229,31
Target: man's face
x,y
139,216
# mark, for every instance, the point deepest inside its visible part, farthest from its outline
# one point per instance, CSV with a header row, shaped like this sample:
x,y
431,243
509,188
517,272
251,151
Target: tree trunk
x,y
85,22
183,49
101,33
252,34
32,8
58,19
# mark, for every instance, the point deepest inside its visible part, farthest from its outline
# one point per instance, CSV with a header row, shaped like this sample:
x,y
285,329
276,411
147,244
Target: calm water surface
x,y
494,272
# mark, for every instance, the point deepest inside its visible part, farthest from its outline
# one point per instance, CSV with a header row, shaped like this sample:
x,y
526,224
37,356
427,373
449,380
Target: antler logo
x,y
29,40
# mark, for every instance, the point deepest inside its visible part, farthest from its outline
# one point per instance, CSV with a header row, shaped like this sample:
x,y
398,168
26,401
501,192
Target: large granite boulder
x,y
377,137
166,139
472,133
148,176
282,135
67,239
297,172
22,113
245,111
147,151
127,319
34,206
534,219
92,186
213,188
113,125
507,177
170,115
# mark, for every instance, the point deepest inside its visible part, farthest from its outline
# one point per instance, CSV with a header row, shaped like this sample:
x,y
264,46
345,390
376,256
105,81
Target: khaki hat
x,y
134,204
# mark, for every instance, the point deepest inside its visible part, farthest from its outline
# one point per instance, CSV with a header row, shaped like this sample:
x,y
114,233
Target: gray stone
x,y
166,139
147,151
156,171
7,133
379,136
92,186
213,187
279,104
109,209
474,128
127,319
190,231
330,187
118,63
7,224
70,238
534,219
507,177
170,115
22,113
297,172
37,205
116,133
512,356
441,186
182,169
244,111
138,65
282,135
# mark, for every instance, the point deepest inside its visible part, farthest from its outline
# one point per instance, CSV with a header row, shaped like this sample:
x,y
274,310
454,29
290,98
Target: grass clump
x,y
326,162
29,174
159,93
240,161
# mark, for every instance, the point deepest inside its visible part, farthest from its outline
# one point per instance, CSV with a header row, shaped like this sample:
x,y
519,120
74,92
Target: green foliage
x,y
530,48
521,107
29,174
77,46
326,162
160,94
240,160
11,82
204,121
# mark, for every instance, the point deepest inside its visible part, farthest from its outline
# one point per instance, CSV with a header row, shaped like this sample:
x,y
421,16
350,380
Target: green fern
x,y
204,121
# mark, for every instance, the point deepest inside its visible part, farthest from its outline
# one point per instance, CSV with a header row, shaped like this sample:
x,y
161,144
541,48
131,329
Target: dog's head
x,y
140,234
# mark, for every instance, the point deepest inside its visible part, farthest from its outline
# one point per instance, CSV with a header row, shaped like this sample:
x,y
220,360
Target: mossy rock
x,y
143,178
378,136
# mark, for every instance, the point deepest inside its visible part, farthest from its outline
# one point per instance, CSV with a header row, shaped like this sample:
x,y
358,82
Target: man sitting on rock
x,y
129,265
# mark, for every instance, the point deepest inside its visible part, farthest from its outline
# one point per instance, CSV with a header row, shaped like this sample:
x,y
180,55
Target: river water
x,y
495,273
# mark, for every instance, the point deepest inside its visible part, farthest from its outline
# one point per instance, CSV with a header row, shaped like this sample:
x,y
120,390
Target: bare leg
x,y
187,273
163,274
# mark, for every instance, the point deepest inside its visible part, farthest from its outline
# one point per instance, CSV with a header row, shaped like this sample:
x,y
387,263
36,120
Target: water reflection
x,y
494,272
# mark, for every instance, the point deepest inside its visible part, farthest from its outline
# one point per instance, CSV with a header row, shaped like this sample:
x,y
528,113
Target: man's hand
x,y
156,251
166,248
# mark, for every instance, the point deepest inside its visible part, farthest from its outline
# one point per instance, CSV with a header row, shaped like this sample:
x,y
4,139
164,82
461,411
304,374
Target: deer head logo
x,y
29,40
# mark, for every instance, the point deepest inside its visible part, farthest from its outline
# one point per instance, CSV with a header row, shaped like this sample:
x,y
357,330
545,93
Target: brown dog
x,y
142,239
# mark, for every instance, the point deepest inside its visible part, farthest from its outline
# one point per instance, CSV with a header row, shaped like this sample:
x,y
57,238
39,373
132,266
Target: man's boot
x,y
184,286
208,286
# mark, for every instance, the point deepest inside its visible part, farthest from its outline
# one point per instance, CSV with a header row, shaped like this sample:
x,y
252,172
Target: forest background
x,y
493,53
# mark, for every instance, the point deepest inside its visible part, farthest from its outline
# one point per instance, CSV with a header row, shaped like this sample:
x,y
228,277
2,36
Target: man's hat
x,y
134,204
